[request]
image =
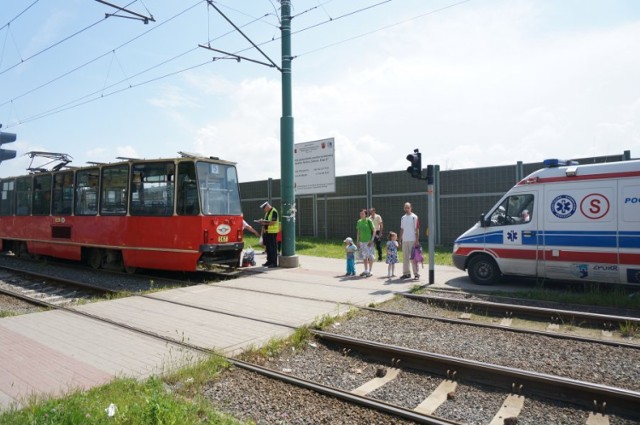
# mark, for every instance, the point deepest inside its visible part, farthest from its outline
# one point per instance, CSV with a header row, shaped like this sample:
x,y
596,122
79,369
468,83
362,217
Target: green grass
x,y
147,402
172,399
176,398
334,248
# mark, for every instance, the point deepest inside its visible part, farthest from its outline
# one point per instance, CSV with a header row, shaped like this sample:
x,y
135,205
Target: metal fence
x,y
460,196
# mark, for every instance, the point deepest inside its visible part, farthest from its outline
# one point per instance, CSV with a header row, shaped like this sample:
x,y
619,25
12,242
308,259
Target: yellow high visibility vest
x,y
272,228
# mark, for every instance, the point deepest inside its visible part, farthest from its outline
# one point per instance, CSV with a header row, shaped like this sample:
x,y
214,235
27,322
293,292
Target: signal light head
x,y
415,169
7,138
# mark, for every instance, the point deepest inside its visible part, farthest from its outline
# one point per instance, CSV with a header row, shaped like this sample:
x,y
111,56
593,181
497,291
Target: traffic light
x,y
415,169
6,153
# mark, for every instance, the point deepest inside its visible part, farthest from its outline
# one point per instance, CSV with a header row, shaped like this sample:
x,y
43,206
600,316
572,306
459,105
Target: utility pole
x,y
431,223
288,212
415,169
288,207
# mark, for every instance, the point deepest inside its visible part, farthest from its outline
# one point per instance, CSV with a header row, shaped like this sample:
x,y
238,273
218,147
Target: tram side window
x,y
42,194
23,196
152,186
87,191
7,197
187,190
62,193
113,197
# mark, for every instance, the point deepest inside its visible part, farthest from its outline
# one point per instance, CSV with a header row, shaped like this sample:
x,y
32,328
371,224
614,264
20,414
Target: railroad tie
x,y
554,325
597,419
437,397
506,321
377,382
511,408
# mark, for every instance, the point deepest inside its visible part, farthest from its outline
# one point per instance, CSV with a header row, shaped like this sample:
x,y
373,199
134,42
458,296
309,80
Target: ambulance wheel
x,y
483,270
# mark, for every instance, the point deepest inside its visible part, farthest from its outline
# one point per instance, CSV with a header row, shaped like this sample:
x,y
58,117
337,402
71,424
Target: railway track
x,y
581,325
516,384
46,290
516,388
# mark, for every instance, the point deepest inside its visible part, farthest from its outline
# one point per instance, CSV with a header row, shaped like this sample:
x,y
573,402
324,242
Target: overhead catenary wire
x,y
110,51
19,15
38,53
99,94
423,15
12,100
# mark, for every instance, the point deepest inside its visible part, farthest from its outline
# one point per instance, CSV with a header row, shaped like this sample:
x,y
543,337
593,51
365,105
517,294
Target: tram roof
x,y
122,160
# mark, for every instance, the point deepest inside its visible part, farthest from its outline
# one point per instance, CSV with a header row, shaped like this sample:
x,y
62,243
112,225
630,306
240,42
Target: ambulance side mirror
x,y
483,222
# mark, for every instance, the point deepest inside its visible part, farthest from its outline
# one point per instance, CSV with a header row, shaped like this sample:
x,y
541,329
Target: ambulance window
x,y
516,209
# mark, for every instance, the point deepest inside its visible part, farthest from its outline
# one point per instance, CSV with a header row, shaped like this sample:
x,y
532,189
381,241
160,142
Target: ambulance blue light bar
x,y
555,162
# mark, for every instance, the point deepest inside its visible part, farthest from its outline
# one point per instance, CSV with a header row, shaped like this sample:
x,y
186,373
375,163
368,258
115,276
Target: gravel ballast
x,y
597,363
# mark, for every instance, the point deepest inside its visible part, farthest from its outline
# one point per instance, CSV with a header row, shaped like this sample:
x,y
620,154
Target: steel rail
x,y
549,334
586,394
380,406
60,279
24,297
344,395
529,312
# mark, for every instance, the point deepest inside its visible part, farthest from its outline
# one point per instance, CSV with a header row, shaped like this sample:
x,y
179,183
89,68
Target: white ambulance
x,y
566,221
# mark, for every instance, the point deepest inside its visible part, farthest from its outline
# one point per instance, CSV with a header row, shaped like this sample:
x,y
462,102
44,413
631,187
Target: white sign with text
x,y
315,167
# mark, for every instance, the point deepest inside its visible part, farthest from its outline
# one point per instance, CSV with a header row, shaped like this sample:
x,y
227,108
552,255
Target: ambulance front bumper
x,y
459,261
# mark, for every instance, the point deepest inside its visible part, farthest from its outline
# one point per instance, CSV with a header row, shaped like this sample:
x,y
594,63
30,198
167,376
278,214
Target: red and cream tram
x,y
172,214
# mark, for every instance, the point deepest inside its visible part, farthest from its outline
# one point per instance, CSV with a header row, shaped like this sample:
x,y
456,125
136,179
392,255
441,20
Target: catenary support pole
x,y
288,212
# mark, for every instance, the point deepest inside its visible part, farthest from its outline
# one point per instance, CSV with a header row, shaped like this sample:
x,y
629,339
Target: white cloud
x,y
478,87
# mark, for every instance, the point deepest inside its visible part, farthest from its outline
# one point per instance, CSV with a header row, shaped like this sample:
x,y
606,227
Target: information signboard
x,y
315,167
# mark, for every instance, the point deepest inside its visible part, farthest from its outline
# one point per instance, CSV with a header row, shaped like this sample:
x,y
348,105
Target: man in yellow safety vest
x,y
270,229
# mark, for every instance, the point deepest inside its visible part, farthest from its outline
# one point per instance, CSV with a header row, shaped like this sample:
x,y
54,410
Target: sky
x,y
471,83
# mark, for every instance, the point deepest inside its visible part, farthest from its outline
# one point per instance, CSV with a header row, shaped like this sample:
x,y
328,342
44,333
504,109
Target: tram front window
x,y
218,185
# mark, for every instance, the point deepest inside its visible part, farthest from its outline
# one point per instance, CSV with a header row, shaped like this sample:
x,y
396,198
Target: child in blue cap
x,y
350,249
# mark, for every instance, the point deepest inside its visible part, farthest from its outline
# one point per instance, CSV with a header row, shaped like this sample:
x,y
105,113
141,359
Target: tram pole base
x,y
289,262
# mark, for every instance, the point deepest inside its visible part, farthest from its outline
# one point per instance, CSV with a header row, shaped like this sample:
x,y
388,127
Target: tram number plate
x,y
223,238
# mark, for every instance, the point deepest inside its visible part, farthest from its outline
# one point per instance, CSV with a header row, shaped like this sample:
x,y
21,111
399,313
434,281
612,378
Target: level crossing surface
x,y
54,352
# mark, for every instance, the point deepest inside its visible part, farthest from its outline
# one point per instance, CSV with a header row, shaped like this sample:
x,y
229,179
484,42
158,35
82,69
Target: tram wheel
x,y
95,259
21,250
130,269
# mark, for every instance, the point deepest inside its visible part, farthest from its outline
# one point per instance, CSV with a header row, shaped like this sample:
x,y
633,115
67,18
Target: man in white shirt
x,y
409,237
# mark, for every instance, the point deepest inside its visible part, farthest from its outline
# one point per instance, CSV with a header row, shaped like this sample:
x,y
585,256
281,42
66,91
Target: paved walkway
x,y
54,352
